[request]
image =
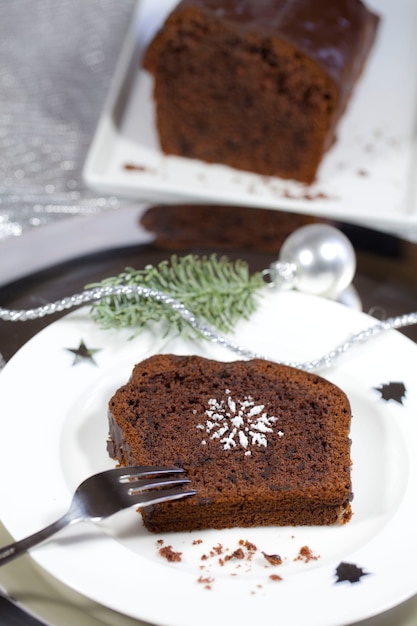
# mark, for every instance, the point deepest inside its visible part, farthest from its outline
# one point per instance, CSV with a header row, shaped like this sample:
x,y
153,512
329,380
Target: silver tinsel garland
x,y
205,330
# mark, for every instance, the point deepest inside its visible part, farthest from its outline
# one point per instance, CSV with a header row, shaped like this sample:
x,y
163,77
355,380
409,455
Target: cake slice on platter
x,y
258,85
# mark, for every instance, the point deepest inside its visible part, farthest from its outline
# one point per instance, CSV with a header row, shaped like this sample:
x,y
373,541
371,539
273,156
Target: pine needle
x,y
217,291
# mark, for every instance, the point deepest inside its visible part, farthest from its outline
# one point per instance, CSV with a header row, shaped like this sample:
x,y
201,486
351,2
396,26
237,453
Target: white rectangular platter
x,y
368,177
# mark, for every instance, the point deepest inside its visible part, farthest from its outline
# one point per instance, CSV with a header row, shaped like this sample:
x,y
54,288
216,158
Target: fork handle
x,y
13,550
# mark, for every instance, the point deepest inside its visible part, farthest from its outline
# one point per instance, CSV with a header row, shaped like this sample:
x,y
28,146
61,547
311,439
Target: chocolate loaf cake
x,y
257,84
263,444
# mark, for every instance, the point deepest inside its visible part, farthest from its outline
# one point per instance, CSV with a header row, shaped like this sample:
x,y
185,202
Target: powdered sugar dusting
x,y
237,423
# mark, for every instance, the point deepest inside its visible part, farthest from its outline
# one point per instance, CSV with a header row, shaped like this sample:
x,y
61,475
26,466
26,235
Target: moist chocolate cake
x,y
257,84
263,444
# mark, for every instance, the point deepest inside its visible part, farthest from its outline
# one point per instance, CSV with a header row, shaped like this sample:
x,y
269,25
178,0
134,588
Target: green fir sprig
x,y
216,290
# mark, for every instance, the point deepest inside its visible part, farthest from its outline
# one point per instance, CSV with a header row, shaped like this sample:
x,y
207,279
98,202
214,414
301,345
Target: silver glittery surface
x,y
57,58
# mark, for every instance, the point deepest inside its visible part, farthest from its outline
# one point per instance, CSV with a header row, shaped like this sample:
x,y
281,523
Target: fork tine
x,y
136,486
164,495
140,471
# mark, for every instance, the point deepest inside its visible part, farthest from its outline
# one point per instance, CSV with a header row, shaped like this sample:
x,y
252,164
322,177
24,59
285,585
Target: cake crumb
x,y
305,554
273,559
206,581
170,555
275,577
237,554
132,167
217,550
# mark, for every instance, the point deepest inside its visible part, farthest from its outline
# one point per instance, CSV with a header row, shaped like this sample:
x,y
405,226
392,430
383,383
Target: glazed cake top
x,y
336,34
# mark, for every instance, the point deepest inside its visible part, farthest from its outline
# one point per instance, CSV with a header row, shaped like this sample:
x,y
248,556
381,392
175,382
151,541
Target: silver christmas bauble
x,y
317,259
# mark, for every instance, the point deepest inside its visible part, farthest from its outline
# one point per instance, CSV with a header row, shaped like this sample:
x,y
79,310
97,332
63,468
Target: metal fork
x,y
106,493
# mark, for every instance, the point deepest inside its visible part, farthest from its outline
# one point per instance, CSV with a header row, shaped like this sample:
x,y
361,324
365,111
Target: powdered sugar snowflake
x,y
237,422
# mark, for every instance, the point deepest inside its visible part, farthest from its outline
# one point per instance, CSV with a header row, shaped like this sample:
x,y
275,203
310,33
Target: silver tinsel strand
x,y
205,330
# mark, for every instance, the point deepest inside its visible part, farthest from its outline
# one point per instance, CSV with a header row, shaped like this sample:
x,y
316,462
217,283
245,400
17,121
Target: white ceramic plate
x,y
54,427
367,177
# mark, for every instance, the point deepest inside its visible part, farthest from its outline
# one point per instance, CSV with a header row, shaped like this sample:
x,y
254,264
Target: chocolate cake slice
x,y
257,84
263,444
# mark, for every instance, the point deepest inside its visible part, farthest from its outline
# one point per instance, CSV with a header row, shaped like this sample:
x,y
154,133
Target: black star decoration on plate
x,y
349,572
82,353
392,391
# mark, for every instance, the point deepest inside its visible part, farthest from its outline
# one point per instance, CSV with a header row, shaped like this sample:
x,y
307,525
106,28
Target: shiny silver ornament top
x,y
316,259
